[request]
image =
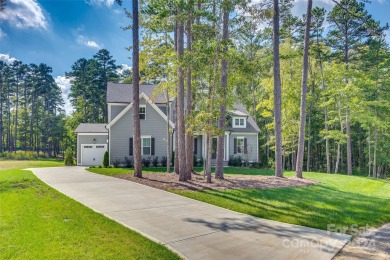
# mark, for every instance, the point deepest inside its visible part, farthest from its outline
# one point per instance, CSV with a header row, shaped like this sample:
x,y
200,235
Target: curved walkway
x,y
193,229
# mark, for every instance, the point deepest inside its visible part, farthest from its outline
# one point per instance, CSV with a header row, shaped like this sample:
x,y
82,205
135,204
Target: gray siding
x,y
252,146
115,110
122,130
88,139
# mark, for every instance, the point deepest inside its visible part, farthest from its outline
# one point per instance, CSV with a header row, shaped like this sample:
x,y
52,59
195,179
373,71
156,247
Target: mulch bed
x,y
170,181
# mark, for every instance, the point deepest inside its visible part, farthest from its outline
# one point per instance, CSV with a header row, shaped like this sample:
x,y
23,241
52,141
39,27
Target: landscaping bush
x,y
199,162
164,161
231,160
235,161
69,157
116,163
106,160
155,161
129,162
146,161
256,165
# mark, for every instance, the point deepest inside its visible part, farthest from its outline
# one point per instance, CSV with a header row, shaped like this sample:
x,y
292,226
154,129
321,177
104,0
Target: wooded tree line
x,y
89,79
32,118
211,52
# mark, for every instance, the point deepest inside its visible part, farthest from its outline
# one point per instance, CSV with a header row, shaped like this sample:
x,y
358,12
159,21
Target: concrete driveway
x,y
193,229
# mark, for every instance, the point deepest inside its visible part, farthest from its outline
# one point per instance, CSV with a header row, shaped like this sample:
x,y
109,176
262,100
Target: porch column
x,y
226,150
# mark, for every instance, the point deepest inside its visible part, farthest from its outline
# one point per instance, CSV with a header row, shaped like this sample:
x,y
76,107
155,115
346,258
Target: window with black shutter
x,y
131,147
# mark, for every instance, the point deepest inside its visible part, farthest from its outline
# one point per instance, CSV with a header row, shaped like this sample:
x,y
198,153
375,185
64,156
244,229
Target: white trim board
x,y
150,102
242,133
92,133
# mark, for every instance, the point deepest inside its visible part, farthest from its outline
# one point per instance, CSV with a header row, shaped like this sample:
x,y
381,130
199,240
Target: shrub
x,y
155,161
195,160
146,161
69,157
106,159
198,162
256,165
231,160
235,161
129,162
115,163
164,161
19,155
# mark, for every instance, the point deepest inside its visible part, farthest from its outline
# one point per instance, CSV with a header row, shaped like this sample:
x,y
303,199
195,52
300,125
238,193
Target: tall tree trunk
x,y
136,123
168,135
16,115
327,141
189,137
374,169
349,146
308,140
305,68
277,94
180,106
176,155
222,107
209,143
369,152
336,169
1,123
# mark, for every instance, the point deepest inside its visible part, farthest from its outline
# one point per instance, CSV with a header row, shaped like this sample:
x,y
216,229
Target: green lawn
x,y
37,222
338,199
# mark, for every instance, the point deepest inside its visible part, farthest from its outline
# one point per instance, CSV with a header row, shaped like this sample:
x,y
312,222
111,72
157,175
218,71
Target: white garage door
x,y
92,154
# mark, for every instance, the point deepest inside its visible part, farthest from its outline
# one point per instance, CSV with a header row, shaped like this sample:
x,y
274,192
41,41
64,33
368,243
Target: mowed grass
x,y
340,200
344,201
22,164
37,222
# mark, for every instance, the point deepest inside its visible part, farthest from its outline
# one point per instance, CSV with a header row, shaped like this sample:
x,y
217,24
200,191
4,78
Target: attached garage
x,y
92,143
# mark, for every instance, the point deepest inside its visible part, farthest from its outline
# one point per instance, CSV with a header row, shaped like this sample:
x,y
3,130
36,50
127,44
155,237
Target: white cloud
x,y
82,40
64,84
6,58
101,2
24,14
92,44
122,68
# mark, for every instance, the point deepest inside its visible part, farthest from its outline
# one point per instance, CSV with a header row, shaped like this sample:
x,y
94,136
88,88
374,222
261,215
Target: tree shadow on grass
x,y
314,206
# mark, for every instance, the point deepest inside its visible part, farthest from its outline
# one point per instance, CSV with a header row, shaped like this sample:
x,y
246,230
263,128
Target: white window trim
x,y
142,144
145,111
239,126
243,144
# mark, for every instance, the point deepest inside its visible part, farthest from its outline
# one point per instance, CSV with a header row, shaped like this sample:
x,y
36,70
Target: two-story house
x,y
241,135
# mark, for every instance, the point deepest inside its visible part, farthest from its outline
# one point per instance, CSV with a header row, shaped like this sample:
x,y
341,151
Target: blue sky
x,y
58,32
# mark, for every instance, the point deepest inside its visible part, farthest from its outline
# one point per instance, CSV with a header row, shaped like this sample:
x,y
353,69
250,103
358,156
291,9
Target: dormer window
x,y
239,122
142,112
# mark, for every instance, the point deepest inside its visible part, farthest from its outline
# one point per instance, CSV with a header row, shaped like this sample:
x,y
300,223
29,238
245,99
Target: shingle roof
x,y
123,93
251,125
91,128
